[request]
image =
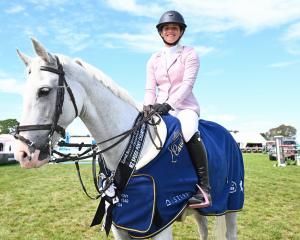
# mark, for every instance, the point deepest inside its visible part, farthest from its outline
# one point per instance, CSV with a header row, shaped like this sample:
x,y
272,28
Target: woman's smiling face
x,y
171,32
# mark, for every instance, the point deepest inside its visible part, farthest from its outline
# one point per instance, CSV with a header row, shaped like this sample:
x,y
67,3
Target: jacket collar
x,y
161,59
179,50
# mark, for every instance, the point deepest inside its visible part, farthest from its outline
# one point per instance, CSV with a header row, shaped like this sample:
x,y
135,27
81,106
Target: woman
x,y
172,72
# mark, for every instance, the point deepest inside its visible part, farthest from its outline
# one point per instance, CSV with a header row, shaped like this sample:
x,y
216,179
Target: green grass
x,y
47,203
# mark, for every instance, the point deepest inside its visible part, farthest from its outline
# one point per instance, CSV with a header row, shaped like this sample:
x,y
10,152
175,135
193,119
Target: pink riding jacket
x,y
173,85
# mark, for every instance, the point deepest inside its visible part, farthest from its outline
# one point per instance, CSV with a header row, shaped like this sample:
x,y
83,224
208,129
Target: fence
x,y
285,151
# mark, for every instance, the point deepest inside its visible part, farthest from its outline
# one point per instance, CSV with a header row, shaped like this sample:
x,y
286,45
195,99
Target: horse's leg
x,y
231,226
202,225
219,232
165,234
120,234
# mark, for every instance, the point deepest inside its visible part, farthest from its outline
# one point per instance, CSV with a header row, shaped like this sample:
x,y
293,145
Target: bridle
x,y
52,127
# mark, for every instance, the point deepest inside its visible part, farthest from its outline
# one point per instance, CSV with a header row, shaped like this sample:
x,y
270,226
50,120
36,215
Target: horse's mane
x,y
107,82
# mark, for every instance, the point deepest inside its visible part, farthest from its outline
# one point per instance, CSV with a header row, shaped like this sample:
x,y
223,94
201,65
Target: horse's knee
x,y
202,225
231,218
231,226
120,234
165,234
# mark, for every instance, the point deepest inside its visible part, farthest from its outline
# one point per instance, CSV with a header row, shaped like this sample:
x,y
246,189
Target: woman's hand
x,y
147,109
162,108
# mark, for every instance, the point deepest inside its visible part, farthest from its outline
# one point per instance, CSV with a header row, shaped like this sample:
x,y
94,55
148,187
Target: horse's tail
x,y
220,228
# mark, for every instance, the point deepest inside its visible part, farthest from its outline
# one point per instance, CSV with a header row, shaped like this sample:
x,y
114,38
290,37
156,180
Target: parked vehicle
x,y
269,146
252,148
288,150
7,158
6,149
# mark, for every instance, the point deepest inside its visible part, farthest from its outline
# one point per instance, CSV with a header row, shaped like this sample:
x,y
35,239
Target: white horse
x,y
105,108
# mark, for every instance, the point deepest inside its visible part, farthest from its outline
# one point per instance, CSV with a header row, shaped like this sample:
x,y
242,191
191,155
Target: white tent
x,y
249,139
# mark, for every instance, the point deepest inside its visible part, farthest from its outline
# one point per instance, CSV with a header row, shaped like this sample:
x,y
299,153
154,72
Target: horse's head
x,y
49,106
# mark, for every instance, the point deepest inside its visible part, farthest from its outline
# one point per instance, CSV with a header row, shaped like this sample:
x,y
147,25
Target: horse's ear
x,y
79,62
41,52
24,57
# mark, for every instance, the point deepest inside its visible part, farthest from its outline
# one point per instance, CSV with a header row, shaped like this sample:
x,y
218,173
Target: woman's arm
x,y
150,90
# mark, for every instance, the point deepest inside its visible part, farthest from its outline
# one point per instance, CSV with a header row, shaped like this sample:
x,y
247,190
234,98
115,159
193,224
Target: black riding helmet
x,y
171,17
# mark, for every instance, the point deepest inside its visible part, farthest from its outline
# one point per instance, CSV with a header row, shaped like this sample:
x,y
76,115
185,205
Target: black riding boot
x,y
198,155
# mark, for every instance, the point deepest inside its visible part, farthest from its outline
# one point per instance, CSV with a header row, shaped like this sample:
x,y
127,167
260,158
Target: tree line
x,y
9,125
282,130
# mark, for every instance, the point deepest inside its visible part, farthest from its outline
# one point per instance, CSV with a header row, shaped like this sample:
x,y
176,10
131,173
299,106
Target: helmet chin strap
x,y
174,43
171,44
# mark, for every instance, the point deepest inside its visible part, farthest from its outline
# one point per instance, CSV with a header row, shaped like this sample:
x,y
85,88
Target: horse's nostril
x,y
24,154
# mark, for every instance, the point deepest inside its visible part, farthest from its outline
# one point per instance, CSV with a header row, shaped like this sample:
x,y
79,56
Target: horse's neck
x,y
106,115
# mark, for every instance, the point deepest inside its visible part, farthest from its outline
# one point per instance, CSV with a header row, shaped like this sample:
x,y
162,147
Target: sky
x,y
249,78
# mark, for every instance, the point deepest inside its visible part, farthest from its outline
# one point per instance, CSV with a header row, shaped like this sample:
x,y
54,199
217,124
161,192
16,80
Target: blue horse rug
x,y
158,193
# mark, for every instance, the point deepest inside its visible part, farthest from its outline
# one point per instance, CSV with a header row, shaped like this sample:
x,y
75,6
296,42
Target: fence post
x,y
279,151
298,154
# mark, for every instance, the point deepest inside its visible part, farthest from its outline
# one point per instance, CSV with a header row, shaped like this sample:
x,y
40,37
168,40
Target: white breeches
x,y
189,122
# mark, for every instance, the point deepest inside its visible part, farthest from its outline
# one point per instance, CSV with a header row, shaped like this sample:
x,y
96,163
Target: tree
x,y
282,130
8,125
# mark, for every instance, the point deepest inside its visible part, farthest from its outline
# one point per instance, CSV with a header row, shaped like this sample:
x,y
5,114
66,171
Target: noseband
x,y
52,127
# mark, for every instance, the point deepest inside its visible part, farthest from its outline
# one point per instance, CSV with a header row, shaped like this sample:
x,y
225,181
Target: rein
x,y
94,148
68,157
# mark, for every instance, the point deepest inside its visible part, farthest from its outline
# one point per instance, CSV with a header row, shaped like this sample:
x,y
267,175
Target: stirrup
x,y
204,204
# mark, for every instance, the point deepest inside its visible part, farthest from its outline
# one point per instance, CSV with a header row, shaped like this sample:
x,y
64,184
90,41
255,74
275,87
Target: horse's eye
x,y
44,91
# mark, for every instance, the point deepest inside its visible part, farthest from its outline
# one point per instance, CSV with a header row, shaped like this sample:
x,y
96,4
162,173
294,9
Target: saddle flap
x,y
127,214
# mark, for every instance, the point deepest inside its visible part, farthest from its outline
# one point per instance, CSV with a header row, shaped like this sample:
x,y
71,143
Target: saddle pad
x,y
128,212
175,179
226,169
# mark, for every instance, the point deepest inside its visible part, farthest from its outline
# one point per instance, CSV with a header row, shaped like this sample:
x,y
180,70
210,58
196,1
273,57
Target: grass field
x,y
48,203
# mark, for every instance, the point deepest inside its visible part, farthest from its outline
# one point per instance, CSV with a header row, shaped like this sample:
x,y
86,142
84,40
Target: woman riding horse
x,y
173,71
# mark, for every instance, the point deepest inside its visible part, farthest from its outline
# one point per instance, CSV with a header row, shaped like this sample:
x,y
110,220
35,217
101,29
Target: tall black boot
x,y
198,156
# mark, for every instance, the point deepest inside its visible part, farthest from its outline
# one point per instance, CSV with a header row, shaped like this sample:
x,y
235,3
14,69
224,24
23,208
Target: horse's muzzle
x,y
28,159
